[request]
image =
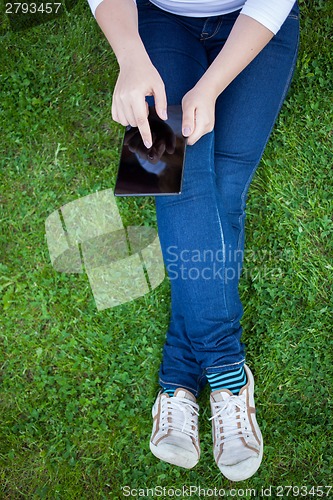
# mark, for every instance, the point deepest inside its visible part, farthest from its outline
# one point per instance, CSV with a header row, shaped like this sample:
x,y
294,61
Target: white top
x,y
270,13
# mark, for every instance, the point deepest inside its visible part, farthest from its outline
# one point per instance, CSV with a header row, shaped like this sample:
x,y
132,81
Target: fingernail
x,y
148,144
186,131
164,114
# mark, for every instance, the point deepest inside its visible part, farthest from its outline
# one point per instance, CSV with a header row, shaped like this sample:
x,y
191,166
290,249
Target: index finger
x,y
140,112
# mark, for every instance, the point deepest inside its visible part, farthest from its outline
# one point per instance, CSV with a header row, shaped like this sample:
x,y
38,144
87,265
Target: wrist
x,y
209,87
131,53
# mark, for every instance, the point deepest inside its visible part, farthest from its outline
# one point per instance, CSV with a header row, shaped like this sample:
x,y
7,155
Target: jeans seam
x,y
165,383
222,235
237,363
242,216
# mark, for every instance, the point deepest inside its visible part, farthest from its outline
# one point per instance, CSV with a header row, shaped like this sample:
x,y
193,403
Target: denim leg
x,y
181,61
245,115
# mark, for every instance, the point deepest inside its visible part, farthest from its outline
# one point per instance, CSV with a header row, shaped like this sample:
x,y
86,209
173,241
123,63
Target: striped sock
x,y
169,391
233,380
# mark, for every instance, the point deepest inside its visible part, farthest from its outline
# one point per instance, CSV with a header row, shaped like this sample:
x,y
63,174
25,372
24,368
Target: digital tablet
x,y
158,170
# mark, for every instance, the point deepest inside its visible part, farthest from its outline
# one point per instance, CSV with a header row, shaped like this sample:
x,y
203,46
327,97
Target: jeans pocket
x,y
294,13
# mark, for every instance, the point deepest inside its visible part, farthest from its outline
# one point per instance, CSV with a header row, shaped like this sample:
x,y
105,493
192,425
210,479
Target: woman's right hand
x,y
137,79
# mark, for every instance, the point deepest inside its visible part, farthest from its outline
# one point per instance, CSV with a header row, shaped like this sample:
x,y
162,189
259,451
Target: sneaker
x,y
237,440
175,437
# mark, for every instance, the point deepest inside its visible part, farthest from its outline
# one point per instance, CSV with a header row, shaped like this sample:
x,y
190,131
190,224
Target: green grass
x,y
77,385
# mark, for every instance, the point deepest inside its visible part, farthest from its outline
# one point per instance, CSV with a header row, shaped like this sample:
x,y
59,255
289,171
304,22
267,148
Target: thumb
x,y
188,125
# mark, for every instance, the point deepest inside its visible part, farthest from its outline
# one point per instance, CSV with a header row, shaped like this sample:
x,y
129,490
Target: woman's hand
x,y
198,112
137,79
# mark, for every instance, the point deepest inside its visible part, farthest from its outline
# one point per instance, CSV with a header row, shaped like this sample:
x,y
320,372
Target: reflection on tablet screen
x,y
158,170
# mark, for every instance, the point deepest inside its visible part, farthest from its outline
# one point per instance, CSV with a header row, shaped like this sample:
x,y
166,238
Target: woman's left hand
x,y
198,112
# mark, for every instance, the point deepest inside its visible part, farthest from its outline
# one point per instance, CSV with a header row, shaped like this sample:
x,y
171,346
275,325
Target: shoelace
x,y
226,412
182,412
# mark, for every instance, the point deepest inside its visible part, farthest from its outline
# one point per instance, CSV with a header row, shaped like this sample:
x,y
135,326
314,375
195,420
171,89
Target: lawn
x,y
77,384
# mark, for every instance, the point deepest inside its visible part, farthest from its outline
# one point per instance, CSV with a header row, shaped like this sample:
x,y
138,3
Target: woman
x,y
229,64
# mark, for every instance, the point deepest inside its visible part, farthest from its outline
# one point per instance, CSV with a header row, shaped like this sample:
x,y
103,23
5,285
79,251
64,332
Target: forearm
x,y
138,78
118,19
247,38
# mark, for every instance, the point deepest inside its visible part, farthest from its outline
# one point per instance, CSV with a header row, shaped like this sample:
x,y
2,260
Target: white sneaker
x,y
237,440
175,437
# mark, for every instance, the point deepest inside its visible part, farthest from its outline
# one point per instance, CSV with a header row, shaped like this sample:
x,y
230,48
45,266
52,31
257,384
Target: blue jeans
x,y
202,230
